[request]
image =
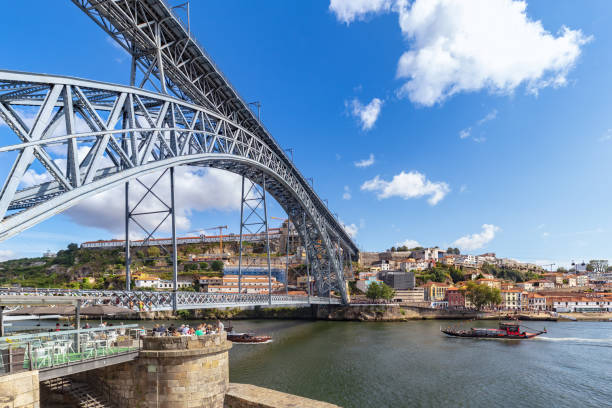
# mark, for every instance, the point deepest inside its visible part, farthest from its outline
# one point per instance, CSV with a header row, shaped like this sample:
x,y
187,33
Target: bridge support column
x,y
174,247
172,372
240,242
267,241
128,259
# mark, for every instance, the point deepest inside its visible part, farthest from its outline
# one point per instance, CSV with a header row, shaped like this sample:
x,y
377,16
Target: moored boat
x,y
505,331
247,338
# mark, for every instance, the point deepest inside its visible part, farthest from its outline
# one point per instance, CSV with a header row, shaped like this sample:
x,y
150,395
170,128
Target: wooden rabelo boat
x,y
505,331
247,338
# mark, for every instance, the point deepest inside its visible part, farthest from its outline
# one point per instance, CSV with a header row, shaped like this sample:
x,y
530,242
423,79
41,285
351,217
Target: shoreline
x,y
362,313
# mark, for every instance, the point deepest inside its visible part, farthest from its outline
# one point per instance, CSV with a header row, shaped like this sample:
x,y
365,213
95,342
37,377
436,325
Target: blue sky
x,y
529,179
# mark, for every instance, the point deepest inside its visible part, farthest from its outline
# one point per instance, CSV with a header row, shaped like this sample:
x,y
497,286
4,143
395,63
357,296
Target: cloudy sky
x,y
482,124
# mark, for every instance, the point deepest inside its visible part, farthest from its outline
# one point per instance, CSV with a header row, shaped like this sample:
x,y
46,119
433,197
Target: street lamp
x,y
290,150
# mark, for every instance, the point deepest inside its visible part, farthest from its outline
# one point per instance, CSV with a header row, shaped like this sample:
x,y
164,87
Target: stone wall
x,y
250,396
172,372
386,313
20,390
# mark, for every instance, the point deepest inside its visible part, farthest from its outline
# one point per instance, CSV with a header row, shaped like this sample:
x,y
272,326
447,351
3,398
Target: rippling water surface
x,y
412,365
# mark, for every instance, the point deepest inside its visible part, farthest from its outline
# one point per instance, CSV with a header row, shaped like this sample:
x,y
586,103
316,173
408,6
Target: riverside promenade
x,y
169,372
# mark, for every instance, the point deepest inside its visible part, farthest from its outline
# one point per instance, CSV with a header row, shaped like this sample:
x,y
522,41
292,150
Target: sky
x,y
481,124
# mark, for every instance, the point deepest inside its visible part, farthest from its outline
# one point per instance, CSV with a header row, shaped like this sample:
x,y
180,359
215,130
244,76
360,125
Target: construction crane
x,y
549,265
220,228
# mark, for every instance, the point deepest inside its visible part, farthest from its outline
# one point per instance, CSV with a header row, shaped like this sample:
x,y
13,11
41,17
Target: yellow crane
x,y
220,228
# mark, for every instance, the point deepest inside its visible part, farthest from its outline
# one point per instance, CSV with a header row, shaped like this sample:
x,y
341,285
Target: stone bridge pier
x,y
172,372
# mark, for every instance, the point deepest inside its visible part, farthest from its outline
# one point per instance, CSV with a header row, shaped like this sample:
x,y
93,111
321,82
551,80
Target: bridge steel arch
x,y
127,132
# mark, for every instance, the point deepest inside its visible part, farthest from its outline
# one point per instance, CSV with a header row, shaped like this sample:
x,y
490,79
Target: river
x,y
412,364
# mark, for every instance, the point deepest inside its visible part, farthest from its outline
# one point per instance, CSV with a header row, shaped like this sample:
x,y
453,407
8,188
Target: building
x,y
382,264
528,286
455,297
492,283
536,302
428,254
511,299
146,281
465,260
49,254
435,291
416,295
399,280
154,282
580,304
364,284
408,265
582,280
248,284
554,277
277,273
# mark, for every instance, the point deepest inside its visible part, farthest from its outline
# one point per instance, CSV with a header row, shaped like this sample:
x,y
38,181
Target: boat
x,y
510,331
247,338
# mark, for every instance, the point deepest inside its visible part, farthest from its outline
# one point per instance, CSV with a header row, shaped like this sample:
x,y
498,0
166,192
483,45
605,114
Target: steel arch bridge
x,y
134,132
108,134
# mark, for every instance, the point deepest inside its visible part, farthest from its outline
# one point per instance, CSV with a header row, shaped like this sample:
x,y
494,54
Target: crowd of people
x,y
186,330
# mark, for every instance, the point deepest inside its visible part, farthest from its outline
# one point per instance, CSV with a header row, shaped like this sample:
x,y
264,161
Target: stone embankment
x,y
250,396
387,313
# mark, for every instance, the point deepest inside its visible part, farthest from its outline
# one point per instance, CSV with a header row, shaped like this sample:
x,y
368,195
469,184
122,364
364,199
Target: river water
x,y
411,364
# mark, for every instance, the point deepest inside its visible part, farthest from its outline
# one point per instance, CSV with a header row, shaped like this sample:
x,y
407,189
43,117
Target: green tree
x,y
456,274
379,291
203,266
217,266
153,252
482,295
190,267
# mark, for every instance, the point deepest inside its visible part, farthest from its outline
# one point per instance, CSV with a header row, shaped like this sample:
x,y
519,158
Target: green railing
x,y
48,350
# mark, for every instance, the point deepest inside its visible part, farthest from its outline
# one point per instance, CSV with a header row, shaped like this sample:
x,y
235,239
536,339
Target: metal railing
x,y
49,350
144,301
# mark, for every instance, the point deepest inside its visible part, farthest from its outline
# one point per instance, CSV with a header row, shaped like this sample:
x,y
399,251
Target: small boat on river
x,y
510,331
247,338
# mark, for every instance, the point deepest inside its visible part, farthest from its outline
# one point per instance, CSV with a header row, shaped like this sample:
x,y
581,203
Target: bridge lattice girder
x,y
158,301
130,132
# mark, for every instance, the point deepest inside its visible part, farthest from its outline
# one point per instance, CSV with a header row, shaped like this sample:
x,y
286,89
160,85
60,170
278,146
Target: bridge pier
x,y
172,372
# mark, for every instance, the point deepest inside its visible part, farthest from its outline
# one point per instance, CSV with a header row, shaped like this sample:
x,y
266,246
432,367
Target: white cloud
x,y
545,234
463,188
489,116
347,193
367,114
409,243
351,229
472,45
408,185
465,133
32,178
350,10
606,136
478,240
6,254
365,162
196,190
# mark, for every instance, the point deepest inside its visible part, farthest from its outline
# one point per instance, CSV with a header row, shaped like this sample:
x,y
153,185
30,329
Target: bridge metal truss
x,y
157,301
107,134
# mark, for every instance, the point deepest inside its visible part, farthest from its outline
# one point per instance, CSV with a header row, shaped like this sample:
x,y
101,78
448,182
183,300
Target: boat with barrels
x,y
511,331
